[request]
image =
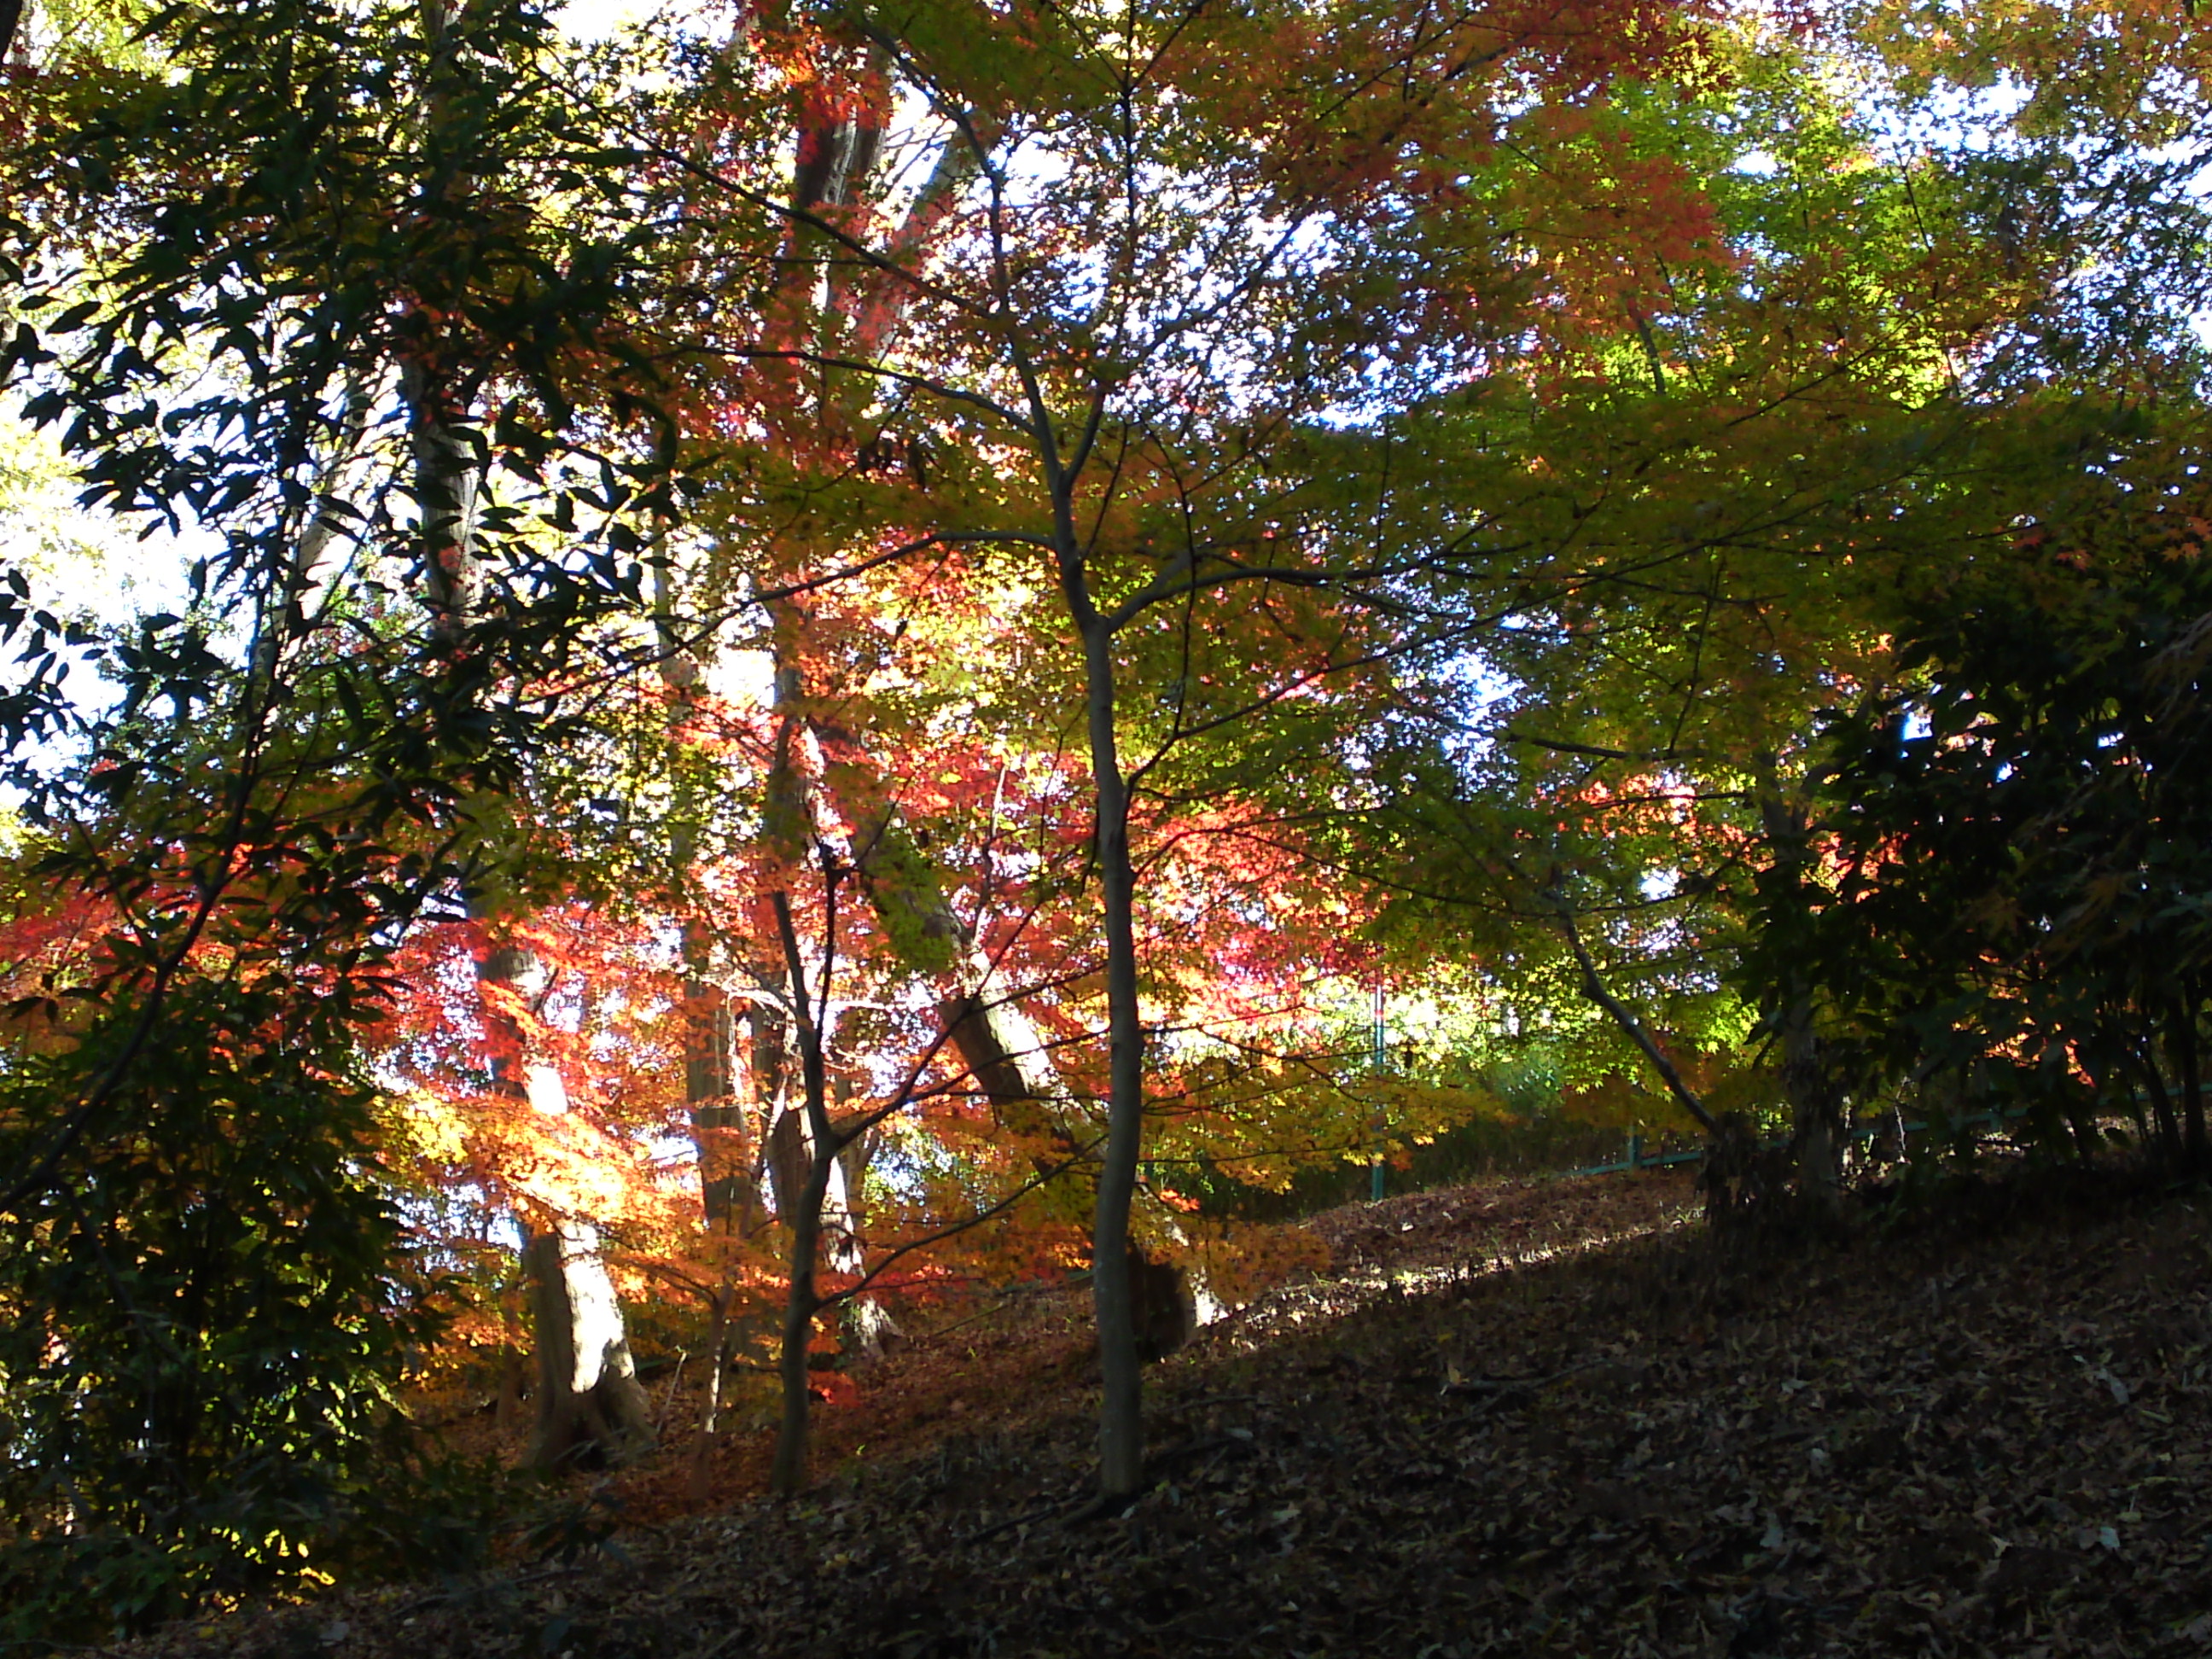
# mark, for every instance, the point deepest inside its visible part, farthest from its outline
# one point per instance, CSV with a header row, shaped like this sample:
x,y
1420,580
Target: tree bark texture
x,y
1120,1411
787,1477
1808,1078
2145,1056
715,1093
592,1410
1816,1109
717,1116
2192,1089
710,1411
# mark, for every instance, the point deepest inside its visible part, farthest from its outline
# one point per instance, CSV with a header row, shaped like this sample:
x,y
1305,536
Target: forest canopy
x,y
693,680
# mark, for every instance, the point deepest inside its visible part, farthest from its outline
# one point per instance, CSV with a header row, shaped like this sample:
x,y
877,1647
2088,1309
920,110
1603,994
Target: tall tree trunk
x,y
728,1201
868,1325
712,1093
2145,1056
1120,1411
2183,1029
787,1478
590,1409
1808,1079
2081,1115
794,1153
710,1411
1815,1110
590,1406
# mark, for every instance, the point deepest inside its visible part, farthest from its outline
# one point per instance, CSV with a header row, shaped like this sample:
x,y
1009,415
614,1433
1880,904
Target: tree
x,y
1157,394
1696,546
2007,908
278,782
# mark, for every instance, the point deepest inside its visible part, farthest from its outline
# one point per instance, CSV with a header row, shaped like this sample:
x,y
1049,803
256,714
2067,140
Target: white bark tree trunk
x,y
592,1410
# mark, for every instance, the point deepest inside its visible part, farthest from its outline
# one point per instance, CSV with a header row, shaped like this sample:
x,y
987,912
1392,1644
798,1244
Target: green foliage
x,y
2011,907
220,271
207,1314
1491,500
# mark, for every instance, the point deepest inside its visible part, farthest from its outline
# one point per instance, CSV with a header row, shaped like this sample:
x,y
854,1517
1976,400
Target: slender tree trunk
x,y
1808,1080
2082,1117
1593,988
1121,1408
830,1194
718,1121
793,1154
590,1407
327,522
788,1476
2192,1093
712,1092
710,1411
868,1324
590,1410
2161,1104
2118,1075
507,1404
1815,1110
1121,1412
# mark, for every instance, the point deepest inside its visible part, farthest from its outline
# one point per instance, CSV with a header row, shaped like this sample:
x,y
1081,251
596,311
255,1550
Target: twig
x,y
1105,1507
668,1398
1497,1387
1070,1509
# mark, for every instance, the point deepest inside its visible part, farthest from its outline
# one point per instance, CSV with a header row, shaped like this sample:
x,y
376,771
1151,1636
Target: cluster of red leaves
x,y
1495,1426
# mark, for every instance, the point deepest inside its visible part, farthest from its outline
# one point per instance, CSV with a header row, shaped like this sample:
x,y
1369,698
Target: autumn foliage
x,y
801,672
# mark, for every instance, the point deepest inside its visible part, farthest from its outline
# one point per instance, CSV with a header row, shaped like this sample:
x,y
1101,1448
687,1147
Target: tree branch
x,y
1624,1016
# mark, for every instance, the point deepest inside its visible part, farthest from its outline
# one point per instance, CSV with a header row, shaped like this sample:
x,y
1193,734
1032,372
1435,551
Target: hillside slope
x,y
1530,1420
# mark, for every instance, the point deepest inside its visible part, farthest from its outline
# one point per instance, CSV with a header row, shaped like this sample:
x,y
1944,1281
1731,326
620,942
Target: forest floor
x,y
1533,1419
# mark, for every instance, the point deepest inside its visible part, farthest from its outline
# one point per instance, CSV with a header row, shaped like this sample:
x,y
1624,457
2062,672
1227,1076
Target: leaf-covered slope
x,y
1488,1432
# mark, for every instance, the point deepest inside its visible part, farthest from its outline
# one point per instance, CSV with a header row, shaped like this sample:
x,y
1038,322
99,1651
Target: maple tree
x,y
1706,557
1170,406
